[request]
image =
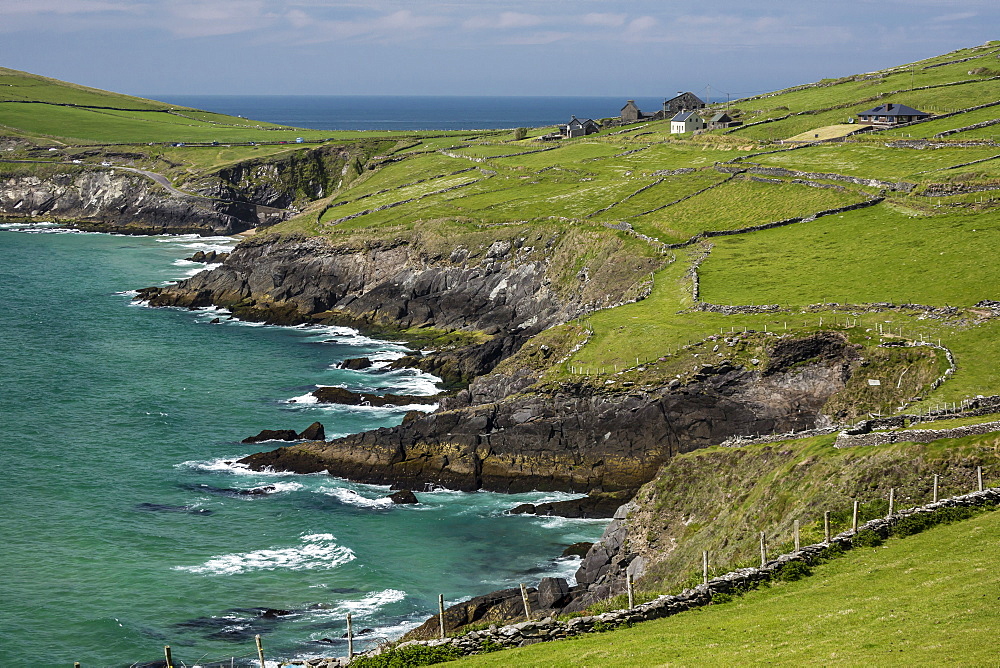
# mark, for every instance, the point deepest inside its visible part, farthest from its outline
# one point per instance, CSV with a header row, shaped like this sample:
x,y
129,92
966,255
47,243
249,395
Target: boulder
x,y
498,607
404,496
356,363
338,395
272,435
552,593
313,432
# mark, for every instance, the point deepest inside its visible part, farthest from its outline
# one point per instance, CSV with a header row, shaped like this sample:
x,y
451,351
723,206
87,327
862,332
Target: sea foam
x,y
314,551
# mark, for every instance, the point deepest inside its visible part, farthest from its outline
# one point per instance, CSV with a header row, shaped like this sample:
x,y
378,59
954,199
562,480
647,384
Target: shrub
x,y
867,538
720,598
409,657
520,133
793,570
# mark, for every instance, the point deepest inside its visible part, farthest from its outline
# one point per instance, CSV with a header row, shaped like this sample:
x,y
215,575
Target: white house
x,y
686,121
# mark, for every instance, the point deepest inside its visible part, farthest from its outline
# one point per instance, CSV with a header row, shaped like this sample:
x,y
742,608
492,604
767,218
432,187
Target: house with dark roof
x,y
889,114
686,121
719,121
578,128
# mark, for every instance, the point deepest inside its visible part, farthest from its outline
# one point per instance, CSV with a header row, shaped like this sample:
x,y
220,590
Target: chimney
x,y
888,107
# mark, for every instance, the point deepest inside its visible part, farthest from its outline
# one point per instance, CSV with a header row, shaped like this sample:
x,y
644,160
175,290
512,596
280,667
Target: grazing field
x,y
928,599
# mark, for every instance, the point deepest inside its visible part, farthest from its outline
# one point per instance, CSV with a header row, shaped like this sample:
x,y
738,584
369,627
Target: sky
x,y
629,49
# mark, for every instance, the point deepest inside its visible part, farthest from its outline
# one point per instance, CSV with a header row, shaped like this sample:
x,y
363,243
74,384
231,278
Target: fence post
x,y
892,501
441,613
979,475
629,590
350,637
704,566
763,550
166,653
854,521
527,606
826,527
796,535
260,650
936,478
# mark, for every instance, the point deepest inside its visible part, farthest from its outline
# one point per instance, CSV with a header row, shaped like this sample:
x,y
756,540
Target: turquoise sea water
x,y
121,530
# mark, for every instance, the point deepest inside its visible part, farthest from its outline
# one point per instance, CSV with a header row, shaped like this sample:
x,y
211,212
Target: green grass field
x,y
928,600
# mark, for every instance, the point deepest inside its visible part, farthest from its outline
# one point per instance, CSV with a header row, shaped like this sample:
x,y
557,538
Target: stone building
x,y
682,102
578,128
686,121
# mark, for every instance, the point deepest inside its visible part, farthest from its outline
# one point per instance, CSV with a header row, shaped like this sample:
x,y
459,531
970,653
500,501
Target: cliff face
x,y
576,438
119,201
281,182
499,292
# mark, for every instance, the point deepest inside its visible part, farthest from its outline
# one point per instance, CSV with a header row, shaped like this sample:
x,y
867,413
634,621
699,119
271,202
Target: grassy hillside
x,y
928,599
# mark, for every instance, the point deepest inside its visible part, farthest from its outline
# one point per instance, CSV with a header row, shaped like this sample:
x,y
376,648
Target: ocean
x,y
126,524
391,112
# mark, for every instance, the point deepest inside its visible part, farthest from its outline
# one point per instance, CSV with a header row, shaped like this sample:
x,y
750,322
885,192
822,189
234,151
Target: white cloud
x,y
505,20
958,16
221,17
605,20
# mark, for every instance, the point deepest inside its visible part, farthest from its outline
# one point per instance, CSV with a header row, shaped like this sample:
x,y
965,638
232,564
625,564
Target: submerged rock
x,y
404,496
167,508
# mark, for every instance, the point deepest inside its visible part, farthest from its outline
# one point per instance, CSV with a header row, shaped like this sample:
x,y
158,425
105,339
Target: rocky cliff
x,y
492,292
119,201
583,436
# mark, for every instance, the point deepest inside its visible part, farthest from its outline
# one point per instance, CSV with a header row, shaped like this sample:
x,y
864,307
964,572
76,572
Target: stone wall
x,y
845,440
901,186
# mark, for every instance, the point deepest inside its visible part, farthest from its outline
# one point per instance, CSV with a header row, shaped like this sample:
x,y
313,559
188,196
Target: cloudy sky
x,y
477,47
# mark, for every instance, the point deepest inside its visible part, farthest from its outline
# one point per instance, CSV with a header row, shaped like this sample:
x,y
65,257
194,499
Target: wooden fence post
x,y
936,477
166,653
350,637
796,535
629,590
763,550
260,650
441,613
979,475
826,527
524,597
704,566
854,521
892,501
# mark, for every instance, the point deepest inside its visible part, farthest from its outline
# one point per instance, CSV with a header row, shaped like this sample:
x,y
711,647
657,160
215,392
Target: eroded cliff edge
x,y
509,431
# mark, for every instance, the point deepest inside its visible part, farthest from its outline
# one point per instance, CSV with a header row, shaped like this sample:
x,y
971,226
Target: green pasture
x,y
738,204
928,600
877,161
878,254
17,85
671,189
931,128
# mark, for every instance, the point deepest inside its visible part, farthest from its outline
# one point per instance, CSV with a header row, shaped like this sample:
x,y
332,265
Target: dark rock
x,y
404,496
594,505
272,613
552,593
313,432
272,435
498,607
215,321
338,395
356,363
577,550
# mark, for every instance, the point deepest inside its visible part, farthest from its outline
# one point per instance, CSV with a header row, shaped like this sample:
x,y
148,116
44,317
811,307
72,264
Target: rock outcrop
x,y
577,437
122,202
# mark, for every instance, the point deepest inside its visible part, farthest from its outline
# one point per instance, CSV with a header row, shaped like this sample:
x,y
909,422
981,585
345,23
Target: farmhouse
x,y
578,128
682,102
686,121
632,114
889,114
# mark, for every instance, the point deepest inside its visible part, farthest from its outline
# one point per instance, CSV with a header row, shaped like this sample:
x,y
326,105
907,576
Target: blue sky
x,y
477,47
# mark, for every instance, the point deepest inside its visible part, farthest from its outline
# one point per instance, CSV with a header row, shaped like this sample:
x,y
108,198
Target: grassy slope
x,y
928,599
